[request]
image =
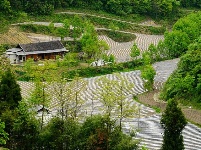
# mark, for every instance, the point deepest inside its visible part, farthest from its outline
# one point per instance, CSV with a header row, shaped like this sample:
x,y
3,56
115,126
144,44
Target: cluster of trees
x,y
184,32
185,82
85,37
119,7
19,128
185,41
191,3
24,131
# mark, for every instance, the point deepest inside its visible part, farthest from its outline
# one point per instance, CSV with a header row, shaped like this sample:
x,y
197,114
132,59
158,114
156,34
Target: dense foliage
x,y
185,82
9,91
119,7
184,32
173,122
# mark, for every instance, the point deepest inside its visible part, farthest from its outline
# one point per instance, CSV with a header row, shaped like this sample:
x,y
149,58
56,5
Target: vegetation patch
x,y
118,36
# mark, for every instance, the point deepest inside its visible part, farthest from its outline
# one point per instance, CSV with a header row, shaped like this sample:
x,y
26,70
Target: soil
x,y
149,99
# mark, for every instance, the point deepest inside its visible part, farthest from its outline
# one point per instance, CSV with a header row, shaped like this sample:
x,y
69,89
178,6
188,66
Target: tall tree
x,y
124,107
26,128
9,91
42,75
113,94
68,94
173,122
91,46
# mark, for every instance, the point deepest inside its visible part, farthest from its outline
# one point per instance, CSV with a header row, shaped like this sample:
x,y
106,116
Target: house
x,y
36,51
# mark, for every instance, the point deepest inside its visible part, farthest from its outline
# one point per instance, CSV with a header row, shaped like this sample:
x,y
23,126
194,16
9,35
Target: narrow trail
x,y
146,23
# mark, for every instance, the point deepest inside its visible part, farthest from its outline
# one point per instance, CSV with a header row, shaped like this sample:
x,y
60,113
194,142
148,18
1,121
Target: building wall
x,y
13,58
37,57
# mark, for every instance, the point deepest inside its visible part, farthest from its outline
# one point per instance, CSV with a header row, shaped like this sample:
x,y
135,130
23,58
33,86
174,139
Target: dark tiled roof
x,y
42,46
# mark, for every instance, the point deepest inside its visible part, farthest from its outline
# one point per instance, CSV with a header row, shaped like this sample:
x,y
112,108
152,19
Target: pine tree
x,y
173,122
9,91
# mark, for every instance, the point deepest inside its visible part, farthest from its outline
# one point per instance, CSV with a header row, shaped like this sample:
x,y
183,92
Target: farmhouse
x,y
36,51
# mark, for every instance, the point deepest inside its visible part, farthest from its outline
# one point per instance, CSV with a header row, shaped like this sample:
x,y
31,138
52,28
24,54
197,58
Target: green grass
x,y
157,109
191,103
118,36
103,23
135,18
40,29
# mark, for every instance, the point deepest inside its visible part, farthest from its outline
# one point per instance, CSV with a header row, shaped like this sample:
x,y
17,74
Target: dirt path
x,y
191,114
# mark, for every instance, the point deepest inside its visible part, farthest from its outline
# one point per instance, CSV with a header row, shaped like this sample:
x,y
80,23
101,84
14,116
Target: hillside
x,y
13,37
58,85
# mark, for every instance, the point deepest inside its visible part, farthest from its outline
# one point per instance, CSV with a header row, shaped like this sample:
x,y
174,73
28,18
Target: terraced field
x,y
14,37
146,120
122,50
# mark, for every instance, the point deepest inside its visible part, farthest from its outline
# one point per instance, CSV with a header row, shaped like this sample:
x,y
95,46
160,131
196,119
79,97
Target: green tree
x,y
5,7
153,52
42,75
135,51
69,96
91,46
113,94
60,134
78,26
124,107
147,74
185,81
3,134
189,25
100,132
146,58
4,65
162,51
177,43
173,122
9,91
26,128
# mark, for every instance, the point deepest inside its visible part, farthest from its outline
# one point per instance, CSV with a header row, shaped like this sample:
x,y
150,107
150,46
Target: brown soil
x,y
149,99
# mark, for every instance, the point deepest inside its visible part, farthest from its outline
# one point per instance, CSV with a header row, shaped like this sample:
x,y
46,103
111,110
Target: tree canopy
x,y
185,82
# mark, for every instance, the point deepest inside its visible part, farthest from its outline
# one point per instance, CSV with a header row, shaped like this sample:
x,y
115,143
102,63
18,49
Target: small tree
x,y
147,74
135,51
153,52
173,121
